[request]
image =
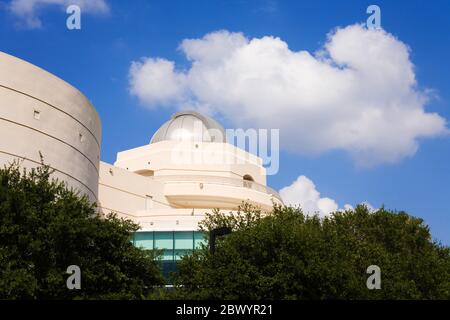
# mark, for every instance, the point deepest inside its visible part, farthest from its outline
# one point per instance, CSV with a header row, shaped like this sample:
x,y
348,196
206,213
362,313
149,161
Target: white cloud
x,y
155,81
348,207
302,192
358,93
28,10
370,207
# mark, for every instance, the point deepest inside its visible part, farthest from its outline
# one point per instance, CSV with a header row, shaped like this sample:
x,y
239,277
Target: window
x,y
37,114
199,239
144,240
248,181
175,244
164,240
184,240
148,202
167,255
145,173
179,253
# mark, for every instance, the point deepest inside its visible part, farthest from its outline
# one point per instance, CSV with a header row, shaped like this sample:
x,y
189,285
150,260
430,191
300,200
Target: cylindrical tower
x,y
40,113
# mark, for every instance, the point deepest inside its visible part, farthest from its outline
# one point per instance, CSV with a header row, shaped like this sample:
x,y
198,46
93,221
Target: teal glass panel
x,y
199,239
179,253
174,245
164,240
143,240
184,240
167,255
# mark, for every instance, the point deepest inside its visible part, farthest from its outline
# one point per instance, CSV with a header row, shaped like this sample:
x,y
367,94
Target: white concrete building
x,y
41,113
167,186
184,172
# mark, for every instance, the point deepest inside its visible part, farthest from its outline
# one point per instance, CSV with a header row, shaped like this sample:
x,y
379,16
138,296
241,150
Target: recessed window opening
x,y
37,114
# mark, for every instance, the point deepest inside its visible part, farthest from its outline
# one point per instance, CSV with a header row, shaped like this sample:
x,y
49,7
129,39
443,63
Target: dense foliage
x,y
45,227
287,255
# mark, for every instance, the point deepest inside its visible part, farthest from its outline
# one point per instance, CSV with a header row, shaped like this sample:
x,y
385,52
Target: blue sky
x,y
97,60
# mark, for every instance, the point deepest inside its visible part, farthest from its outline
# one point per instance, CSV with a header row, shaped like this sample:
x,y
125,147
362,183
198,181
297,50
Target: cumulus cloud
x,y
302,192
28,10
158,75
358,93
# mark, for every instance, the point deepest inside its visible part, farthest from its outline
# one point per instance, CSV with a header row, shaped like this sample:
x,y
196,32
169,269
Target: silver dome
x,y
190,126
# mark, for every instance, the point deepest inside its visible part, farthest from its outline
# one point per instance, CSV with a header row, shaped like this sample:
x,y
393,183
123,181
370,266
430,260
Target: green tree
x,y
45,227
288,255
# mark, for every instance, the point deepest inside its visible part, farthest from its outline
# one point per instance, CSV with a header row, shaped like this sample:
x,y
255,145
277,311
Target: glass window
x,y
179,253
167,255
175,245
164,240
168,267
143,240
199,239
184,240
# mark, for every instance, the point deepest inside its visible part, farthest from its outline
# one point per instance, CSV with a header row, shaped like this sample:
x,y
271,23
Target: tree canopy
x,y
289,255
46,227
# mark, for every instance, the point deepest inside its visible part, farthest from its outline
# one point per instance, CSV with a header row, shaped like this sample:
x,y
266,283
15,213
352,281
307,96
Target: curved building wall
x,y
40,113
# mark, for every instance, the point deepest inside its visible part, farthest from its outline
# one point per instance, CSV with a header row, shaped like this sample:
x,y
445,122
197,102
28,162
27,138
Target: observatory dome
x,y
190,126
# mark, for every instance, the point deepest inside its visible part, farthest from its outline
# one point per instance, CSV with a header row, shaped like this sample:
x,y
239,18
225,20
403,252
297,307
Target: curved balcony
x,y
203,191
